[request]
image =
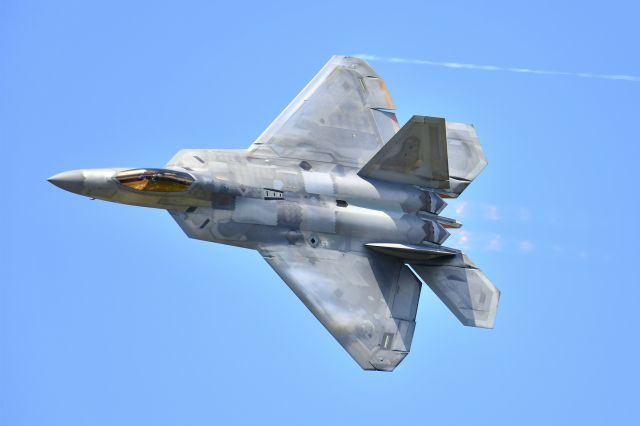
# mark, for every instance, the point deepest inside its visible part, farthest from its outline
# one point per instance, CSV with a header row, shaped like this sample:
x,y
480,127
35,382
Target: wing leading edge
x,y
367,301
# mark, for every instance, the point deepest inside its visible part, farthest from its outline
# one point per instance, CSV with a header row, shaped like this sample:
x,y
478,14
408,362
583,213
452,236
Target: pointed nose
x,y
72,181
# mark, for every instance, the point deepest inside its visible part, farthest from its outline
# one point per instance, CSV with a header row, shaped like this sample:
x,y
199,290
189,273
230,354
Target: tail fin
x,y
457,281
417,155
430,153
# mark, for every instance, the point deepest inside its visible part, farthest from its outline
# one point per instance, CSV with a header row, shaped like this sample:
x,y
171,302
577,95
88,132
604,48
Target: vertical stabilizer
x,y
416,155
431,153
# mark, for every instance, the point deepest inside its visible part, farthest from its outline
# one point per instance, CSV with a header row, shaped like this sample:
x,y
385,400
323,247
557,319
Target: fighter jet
x,y
341,201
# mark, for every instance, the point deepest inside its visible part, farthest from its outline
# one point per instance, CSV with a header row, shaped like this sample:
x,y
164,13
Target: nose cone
x,y
72,181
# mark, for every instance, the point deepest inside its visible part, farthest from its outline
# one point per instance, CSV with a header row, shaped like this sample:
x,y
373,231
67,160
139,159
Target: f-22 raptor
x,y
341,201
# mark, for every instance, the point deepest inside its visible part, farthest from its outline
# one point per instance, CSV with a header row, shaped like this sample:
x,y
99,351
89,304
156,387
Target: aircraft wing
x,y
367,301
336,118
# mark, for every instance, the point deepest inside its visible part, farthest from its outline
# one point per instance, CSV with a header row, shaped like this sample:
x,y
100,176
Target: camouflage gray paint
x,y
338,200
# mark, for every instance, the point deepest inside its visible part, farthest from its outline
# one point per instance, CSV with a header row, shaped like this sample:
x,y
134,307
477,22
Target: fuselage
x,y
230,197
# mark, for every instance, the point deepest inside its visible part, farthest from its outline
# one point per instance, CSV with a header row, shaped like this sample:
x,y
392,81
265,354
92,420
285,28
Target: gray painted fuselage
x,y
247,201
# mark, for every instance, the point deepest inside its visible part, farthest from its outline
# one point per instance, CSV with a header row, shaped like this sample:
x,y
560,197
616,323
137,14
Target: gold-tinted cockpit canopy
x,y
155,180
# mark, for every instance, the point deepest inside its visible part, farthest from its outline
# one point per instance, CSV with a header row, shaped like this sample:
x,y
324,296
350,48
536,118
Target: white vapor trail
x,y
458,65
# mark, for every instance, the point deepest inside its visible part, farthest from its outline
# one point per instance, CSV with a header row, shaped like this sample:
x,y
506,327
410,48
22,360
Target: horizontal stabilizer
x,y
466,158
463,287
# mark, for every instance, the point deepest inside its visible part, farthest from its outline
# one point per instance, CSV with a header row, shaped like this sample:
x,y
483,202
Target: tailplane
x,y
455,279
464,288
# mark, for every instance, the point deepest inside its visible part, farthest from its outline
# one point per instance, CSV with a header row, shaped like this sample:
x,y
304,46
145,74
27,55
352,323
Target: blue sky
x,y
110,315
